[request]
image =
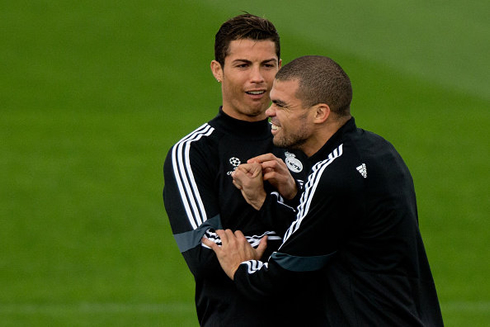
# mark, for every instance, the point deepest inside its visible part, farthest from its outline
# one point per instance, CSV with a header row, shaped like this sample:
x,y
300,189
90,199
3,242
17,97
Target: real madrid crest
x,y
293,163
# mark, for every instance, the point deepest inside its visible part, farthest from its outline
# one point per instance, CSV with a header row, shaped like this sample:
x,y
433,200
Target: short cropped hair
x,y
321,80
241,27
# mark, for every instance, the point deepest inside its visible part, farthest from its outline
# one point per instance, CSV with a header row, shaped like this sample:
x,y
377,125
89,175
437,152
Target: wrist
x,y
258,201
292,191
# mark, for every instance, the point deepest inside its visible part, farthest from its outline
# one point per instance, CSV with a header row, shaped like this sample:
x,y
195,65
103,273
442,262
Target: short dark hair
x,y
246,26
321,80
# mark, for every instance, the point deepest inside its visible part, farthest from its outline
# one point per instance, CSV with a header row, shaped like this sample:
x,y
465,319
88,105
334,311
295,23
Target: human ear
x,y
322,112
217,70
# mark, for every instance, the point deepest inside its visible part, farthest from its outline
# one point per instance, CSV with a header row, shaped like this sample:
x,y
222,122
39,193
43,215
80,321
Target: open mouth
x,y
255,92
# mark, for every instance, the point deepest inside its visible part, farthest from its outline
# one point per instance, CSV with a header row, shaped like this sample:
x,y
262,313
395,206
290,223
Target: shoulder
x,y
206,133
202,132
369,161
201,142
377,153
342,170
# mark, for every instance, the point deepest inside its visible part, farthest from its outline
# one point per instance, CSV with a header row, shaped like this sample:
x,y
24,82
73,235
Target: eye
x,y
242,64
279,105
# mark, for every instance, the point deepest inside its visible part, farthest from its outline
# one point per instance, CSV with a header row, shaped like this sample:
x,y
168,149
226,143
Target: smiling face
x,y
292,125
247,77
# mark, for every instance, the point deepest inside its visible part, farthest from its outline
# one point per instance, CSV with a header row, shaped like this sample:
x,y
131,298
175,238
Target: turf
x,y
92,95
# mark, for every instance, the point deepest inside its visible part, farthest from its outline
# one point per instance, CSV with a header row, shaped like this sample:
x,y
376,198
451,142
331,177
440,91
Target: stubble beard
x,y
293,142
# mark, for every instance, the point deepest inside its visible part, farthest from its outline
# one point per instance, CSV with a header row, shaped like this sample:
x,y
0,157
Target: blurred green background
x,y
93,94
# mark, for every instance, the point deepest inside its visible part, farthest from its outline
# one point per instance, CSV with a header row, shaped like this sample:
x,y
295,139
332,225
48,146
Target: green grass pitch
x,y
93,94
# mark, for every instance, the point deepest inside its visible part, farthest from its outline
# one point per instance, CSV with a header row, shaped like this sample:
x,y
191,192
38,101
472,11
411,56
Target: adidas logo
x,y
362,170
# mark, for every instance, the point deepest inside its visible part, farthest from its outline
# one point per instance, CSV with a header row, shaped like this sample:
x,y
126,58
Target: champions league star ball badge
x,y
234,162
293,163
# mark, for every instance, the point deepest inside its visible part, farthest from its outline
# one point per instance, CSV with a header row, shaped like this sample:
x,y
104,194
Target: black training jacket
x,y
354,255
199,197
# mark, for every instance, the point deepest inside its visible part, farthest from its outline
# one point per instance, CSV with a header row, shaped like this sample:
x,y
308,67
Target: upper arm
x,y
191,201
189,194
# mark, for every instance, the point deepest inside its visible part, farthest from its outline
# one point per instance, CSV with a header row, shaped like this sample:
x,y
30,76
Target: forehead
x,y
252,50
284,90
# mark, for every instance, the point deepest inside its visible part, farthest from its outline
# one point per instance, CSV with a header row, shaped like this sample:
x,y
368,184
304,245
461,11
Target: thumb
x,y
237,184
211,244
262,246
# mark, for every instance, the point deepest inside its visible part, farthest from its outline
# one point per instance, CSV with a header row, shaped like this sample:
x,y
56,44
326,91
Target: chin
x,y
259,108
279,143
256,113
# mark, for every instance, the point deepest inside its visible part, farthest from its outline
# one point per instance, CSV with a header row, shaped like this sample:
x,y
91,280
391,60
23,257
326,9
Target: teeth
x,y
274,127
256,92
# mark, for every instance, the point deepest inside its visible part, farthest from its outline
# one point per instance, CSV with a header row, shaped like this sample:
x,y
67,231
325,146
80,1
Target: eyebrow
x,y
249,61
269,60
279,103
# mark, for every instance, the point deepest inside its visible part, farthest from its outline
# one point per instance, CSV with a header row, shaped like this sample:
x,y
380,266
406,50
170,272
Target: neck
x,y
251,117
323,133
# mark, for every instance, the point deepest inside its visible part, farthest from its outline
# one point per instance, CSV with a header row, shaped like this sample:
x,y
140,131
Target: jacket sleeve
x,y
310,242
277,213
192,206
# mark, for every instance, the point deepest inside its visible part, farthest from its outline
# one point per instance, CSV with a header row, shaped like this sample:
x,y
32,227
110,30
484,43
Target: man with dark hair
x,y
244,27
199,194
355,246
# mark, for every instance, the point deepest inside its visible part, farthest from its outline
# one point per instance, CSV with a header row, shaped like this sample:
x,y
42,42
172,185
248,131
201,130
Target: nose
x,y
256,75
270,112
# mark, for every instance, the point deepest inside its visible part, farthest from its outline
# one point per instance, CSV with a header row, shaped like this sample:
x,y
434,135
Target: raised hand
x,y
234,250
248,179
275,171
